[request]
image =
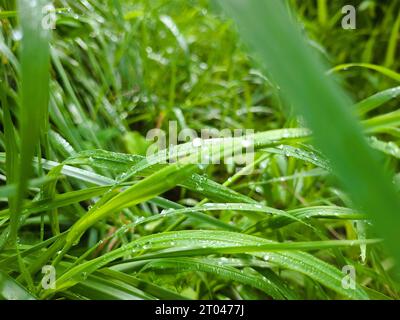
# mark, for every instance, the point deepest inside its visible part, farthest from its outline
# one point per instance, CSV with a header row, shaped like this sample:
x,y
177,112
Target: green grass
x,y
79,193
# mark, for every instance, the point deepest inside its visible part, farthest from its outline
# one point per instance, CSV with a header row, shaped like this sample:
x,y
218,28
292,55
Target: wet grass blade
x,y
378,99
385,71
203,242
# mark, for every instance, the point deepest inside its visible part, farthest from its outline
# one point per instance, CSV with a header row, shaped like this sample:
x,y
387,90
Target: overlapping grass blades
x,y
209,242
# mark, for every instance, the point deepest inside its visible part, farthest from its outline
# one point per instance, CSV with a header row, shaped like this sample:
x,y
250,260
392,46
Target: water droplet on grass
x,y
17,35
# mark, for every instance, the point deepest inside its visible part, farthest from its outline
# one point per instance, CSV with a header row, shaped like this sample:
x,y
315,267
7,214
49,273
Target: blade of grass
x,y
392,44
33,92
377,100
385,71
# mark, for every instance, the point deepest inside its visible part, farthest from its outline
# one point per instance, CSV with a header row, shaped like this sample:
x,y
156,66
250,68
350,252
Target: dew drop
x,y
203,66
17,35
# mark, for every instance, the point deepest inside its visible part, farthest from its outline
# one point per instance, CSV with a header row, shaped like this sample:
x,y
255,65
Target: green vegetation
x,y
79,194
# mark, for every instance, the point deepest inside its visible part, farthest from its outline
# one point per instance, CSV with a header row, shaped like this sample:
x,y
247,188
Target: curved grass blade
x,y
389,148
382,122
199,242
383,70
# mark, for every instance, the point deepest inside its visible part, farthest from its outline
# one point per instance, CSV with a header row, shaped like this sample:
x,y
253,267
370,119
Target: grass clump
x,y
79,193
